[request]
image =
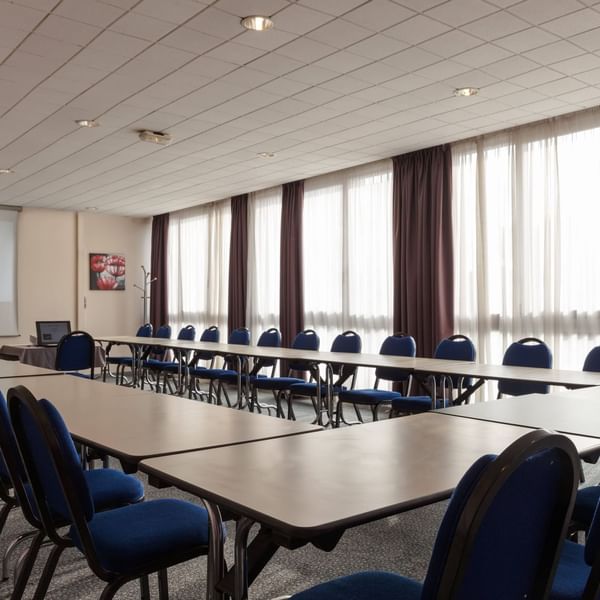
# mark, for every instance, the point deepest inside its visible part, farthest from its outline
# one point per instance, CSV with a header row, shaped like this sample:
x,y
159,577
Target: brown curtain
x,y
159,310
238,259
291,292
422,221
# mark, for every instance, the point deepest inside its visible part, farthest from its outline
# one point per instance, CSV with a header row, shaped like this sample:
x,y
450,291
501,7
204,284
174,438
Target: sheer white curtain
x,y
198,268
526,216
264,232
347,254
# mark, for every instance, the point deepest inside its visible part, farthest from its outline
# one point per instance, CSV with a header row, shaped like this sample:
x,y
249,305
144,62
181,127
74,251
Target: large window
x,y
526,214
8,273
198,268
347,253
264,232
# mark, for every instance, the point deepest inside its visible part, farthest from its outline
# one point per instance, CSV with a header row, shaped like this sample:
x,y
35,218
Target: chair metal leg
x,y
110,590
25,566
48,572
163,585
10,550
144,588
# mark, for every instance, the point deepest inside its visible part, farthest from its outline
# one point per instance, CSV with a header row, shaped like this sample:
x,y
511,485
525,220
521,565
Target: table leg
x,y
216,560
242,529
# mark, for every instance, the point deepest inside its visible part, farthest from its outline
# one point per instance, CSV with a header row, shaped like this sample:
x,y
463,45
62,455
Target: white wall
x,y
52,271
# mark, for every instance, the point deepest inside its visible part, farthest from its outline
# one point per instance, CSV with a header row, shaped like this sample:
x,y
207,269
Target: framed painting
x,y
107,271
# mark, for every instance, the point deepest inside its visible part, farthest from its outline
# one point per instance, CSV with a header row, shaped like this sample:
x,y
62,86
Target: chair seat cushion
x,y
364,586
310,389
275,383
585,505
130,538
215,373
119,360
173,367
153,363
413,404
369,396
571,575
111,488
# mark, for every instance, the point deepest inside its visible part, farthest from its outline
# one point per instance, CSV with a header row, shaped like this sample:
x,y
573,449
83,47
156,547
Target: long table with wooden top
x,y
12,369
311,488
132,424
574,412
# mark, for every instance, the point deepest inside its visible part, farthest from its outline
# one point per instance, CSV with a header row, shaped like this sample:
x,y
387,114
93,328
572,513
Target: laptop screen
x,y
49,333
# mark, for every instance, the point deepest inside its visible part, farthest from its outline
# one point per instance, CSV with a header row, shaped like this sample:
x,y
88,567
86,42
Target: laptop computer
x,y
49,333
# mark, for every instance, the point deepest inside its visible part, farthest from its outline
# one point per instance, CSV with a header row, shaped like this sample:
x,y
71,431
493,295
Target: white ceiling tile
x,y
265,40
510,67
300,19
451,43
317,95
275,64
495,26
377,47
456,14
67,30
540,11
406,83
590,77
378,15
559,86
216,22
41,45
411,59
339,34
574,23
536,77
581,96
590,40
376,93
442,70
420,5
88,11
235,53
284,86
312,75
20,17
531,38
140,26
578,64
251,7
376,73
184,38
342,62
345,84
552,53
306,50
332,7
417,29
176,11
482,55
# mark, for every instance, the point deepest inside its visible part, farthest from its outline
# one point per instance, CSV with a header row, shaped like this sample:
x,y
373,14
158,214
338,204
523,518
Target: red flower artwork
x,y
107,271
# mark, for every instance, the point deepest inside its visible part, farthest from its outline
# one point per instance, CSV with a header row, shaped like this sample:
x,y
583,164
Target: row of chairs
x,y
502,536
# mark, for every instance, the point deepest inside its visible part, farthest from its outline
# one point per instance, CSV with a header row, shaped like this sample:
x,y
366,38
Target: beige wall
x,y
53,279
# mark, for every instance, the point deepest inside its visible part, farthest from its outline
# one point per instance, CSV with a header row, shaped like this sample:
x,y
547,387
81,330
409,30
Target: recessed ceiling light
x,y
155,137
266,154
257,23
6,171
466,91
87,123
91,208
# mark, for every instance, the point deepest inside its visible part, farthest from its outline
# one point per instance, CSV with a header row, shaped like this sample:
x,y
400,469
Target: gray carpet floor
x,y
401,544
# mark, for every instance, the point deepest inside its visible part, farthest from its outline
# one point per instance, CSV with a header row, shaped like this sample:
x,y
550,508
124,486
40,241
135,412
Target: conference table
x,y
311,488
44,356
12,369
419,367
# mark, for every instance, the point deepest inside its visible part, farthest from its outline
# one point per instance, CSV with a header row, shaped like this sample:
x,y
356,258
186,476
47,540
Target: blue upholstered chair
x,y
398,344
578,573
527,352
519,500
455,347
120,544
592,360
154,353
76,352
210,334
241,337
348,341
305,340
108,488
124,362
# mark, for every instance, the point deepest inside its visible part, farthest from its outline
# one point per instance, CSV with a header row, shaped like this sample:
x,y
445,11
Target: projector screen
x,y
8,272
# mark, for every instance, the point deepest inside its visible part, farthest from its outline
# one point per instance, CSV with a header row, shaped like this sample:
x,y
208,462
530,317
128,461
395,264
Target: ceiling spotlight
x,y
155,137
466,91
6,171
87,123
266,154
257,23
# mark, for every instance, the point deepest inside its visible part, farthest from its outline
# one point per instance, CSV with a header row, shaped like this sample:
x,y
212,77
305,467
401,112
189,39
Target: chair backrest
x,y
145,330
305,340
187,333
163,333
271,338
456,347
521,499
241,336
53,469
348,341
75,352
592,360
210,334
527,352
398,344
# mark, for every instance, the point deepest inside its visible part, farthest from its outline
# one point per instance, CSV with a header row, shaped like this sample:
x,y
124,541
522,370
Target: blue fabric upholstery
x,y
110,488
524,354
305,340
456,347
276,383
364,586
310,389
592,360
396,345
210,334
47,474
571,574
585,505
239,336
120,360
10,441
215,373
592,542
414,404
370,396
126,539
75,352
163,333
187,333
